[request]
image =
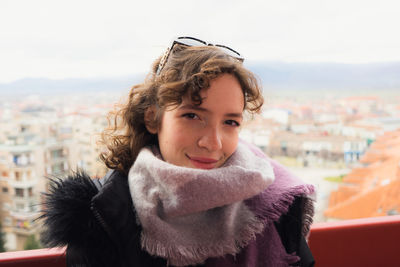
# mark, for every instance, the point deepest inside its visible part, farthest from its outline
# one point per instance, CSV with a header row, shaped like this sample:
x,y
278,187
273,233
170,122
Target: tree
x,y
31,243
2,240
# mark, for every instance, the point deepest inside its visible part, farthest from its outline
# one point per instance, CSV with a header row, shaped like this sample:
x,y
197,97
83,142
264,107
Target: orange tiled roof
x,y
373,190
342,195
379,201
357,175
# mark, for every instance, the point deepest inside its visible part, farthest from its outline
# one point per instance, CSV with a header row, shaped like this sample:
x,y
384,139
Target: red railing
x,y
53,257
361,242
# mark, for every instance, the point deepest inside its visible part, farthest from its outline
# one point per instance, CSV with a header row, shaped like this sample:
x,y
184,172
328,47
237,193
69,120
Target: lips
x,y
203,163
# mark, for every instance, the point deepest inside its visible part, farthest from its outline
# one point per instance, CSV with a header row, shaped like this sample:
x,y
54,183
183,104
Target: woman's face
x,y
204,136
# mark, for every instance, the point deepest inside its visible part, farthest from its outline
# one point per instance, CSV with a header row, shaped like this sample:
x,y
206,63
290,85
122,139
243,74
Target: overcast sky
x,y
85,38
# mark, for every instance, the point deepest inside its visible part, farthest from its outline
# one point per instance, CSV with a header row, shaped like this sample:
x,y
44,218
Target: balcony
x,y
27,199
24,183
23,167
361,242
24,222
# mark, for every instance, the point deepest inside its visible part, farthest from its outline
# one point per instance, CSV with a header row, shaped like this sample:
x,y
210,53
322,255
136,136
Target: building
x,y
373,189
33,148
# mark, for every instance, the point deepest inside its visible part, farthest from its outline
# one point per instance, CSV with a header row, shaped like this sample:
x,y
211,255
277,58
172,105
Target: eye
x,y
190,116
232,123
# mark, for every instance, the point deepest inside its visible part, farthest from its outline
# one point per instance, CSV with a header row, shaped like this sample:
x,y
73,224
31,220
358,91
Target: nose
x,y
210,139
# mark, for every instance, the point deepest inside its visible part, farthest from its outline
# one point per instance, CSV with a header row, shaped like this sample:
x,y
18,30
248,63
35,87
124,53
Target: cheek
x,y
176,136
184,135
230,144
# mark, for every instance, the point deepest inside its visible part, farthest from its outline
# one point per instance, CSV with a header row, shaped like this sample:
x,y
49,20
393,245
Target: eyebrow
x,y
191,106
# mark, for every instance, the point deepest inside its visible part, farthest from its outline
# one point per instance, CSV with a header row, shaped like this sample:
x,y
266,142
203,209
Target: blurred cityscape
x,y
347,145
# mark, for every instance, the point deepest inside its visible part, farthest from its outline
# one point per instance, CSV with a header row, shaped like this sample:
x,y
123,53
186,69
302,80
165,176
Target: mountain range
x,y
331,76
273,75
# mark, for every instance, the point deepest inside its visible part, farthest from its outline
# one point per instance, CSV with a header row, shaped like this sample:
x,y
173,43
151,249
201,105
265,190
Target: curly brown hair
x,y
187,71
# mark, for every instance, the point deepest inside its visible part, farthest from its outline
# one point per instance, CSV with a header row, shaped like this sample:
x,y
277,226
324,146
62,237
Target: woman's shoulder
x,y
66,214
89,216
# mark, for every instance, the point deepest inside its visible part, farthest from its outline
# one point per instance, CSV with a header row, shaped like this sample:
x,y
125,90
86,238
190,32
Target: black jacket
x,y
96,220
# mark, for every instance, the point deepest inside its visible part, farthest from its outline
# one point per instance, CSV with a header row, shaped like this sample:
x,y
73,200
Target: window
x,y
19,192
56,153
57,168
15,159
4,190
17,176
30,191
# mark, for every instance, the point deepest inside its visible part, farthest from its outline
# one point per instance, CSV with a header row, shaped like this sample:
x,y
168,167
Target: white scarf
x,y
188,215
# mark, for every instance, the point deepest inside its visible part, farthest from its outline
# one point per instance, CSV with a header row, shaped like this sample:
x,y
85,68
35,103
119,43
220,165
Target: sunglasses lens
x,y
190,41
230,52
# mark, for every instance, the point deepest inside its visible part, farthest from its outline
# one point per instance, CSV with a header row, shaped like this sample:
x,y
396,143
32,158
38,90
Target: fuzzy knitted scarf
x,y
188,215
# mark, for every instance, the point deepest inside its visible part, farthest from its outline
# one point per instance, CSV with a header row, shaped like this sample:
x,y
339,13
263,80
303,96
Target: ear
x,y
149,120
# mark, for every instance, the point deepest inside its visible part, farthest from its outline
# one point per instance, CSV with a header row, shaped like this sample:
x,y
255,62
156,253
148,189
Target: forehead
x,y
224,92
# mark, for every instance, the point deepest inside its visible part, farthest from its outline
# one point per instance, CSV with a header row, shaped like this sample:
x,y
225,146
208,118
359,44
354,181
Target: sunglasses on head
x,y
191,41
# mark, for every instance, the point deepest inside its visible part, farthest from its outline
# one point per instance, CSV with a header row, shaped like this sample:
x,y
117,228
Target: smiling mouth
x,y
203,163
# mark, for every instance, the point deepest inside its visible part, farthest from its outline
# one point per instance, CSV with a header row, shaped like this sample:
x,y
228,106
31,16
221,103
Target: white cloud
x,y
58,39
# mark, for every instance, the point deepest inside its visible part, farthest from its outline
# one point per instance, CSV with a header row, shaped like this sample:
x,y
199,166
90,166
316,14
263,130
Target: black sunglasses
x,y
191,41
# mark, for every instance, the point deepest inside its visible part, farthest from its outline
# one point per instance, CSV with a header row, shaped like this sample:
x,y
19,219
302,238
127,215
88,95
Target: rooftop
x,y
372,190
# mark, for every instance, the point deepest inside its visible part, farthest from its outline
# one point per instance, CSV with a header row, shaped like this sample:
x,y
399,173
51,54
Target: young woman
x,y
183,189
